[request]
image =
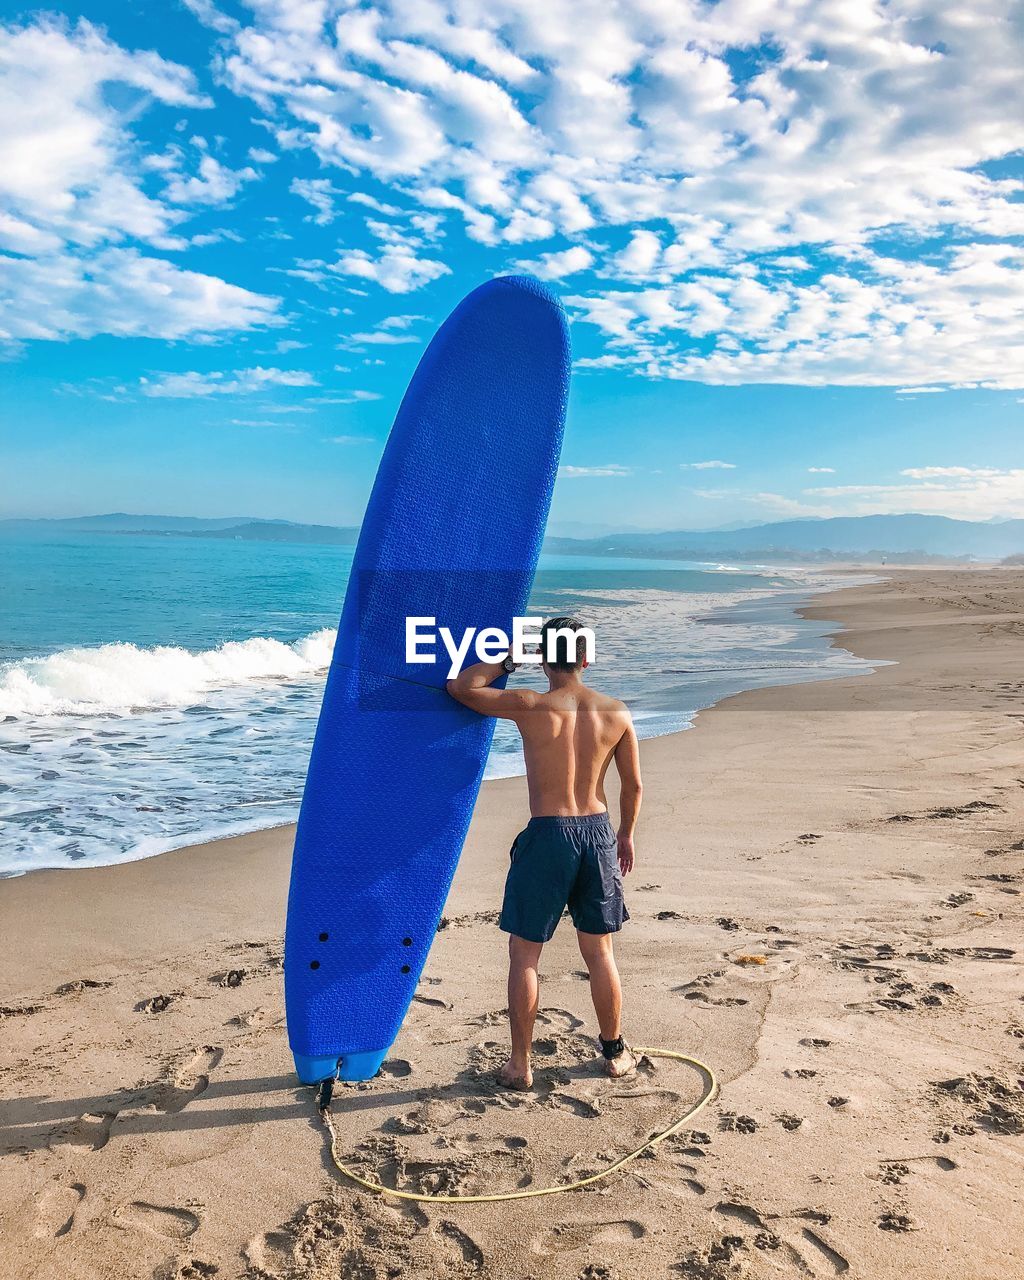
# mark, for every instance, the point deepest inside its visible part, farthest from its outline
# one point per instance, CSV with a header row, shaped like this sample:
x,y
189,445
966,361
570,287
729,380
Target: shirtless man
x,y
568,855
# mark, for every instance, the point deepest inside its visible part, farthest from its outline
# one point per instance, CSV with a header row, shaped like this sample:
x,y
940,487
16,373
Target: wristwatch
x,y
508,664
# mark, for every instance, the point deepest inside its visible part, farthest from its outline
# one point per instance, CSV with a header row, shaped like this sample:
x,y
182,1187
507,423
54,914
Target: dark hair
x,y
565,659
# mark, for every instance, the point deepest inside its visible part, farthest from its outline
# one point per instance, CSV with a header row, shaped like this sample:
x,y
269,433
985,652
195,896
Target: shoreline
x,y
794,600
859,836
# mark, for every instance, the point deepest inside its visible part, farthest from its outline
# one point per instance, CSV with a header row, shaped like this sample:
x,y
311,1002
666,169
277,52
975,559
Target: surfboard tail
x,y
350,1066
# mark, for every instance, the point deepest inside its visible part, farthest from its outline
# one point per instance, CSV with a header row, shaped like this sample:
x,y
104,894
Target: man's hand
x,y
626,853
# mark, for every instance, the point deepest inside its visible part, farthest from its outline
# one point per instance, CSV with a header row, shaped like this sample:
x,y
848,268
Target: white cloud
x,y
957,473
75,186
714,464
183,386
870,321
321,194
968,493
556,266
735,168
766,504
210,16
379,337
351,397
370,202
212,183
822,471
648,116
68,168
609,469
391,331
396,268
350,440
400,322
124,293
751,153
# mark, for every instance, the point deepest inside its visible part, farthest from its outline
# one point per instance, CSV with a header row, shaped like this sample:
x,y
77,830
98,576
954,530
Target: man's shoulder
x,y
612,708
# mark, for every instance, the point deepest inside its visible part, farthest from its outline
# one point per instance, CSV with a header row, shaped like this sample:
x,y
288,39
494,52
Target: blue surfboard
x,y
452,531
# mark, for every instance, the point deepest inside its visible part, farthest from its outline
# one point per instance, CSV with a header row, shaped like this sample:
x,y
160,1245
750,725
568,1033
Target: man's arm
x,y
627,762
472,688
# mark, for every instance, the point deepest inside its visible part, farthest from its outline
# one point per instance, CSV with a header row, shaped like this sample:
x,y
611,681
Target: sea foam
x,y
122,679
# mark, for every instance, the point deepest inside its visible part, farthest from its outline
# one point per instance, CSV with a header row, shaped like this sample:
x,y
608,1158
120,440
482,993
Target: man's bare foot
x,y
513,1078
622,1064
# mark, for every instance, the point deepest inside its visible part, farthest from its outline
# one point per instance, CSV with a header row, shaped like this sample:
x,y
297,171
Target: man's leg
x,y
523,998
606,993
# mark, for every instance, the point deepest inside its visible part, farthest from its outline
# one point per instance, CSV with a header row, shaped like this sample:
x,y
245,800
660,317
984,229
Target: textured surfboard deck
x,y
452,530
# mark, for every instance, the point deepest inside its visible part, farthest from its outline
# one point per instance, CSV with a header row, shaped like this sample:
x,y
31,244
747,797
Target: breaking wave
x,y
121,679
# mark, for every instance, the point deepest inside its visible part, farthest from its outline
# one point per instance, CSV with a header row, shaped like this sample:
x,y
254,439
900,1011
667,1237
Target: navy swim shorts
x,y
559,863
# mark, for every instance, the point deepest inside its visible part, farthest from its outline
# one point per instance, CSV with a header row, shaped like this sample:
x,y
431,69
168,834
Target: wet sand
x,y
863,837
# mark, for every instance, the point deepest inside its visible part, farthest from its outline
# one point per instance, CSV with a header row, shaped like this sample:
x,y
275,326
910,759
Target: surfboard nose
x,y
529,287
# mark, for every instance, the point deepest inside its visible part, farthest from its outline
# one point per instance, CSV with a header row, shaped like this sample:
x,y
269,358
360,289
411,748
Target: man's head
x,y
569,648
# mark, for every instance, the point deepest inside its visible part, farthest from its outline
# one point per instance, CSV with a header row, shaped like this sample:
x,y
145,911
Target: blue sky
x,y
789,239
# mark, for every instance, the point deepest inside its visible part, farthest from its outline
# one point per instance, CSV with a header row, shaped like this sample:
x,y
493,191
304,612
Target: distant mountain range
x,y
868,538
861,537
121,522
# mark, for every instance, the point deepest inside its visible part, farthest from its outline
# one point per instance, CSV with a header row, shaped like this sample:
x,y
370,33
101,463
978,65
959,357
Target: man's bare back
x,y
569,738
568,855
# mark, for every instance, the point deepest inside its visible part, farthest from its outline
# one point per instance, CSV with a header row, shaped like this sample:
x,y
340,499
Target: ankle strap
x,y
612,1048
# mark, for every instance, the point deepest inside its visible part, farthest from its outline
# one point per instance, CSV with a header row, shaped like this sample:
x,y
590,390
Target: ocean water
x,y
157,691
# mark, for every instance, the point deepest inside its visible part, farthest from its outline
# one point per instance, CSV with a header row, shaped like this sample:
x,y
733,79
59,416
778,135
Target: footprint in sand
x,y
690,1183
585,1108
892,1220
56,1210
560,1019
19,1010
432,1002
269,1255
249,1020
718,1259
893,1172
91,1131
187,1269
725,1002
188,1082
773,1238
79,985
729,1122
166,1220
567,1237
464,1246
157,1004
398,1068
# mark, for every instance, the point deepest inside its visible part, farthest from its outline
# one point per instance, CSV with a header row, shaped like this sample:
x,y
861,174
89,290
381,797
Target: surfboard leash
x,y
710,1082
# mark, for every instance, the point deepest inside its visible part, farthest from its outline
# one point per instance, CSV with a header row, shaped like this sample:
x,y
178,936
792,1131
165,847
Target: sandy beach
x,y
863,837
